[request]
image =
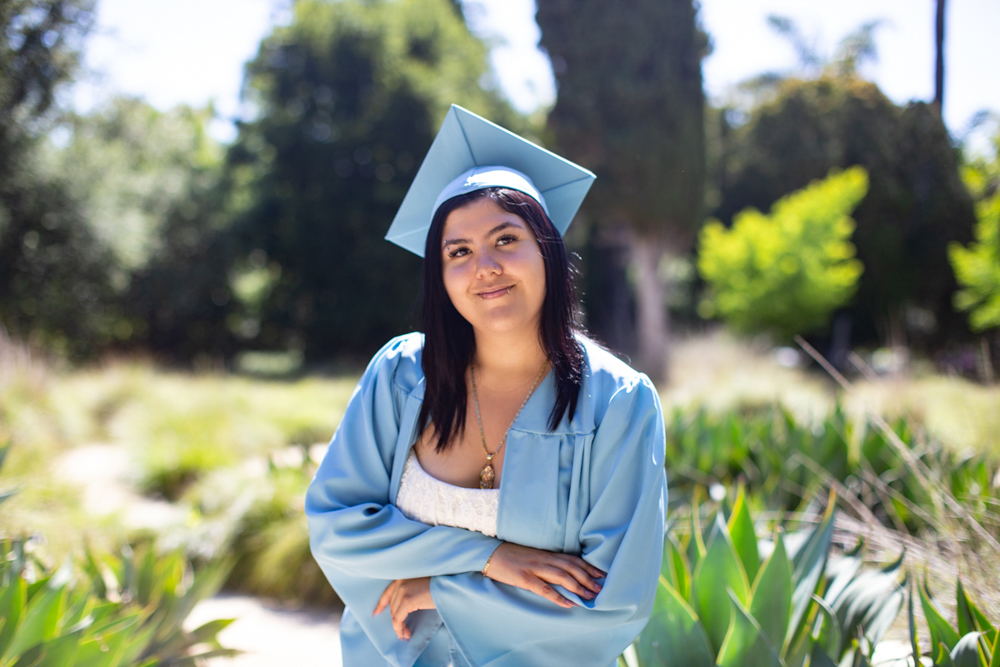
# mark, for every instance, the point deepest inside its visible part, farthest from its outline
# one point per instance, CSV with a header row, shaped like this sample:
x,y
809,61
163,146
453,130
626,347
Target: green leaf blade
x,y
674,635
745,642
719,571
744,536
771,596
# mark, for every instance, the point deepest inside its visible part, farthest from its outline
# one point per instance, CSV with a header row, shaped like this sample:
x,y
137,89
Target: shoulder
x,y
399,361
608,380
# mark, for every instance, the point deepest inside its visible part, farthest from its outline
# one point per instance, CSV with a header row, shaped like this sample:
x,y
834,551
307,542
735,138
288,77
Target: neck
x,y
508,356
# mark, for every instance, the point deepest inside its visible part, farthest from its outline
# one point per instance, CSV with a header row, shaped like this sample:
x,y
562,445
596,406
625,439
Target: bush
x,y
785,273
977,266
718,604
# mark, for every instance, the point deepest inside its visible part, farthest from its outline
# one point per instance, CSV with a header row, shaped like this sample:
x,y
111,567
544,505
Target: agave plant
x,y
125,610
113,611
719,604
974,643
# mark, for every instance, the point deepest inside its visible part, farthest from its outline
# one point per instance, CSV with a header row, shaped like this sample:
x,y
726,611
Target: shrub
x,y
718,604
786,272
977,267
974,643
114,610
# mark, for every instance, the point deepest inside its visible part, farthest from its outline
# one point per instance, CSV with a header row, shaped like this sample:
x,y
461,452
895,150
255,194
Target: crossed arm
x,y
532,569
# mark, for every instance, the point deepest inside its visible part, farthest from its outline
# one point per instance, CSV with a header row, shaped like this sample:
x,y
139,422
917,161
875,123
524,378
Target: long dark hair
x,y
449,342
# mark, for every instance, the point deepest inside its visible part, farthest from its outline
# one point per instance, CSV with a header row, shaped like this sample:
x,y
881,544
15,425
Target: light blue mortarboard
x,y
471,153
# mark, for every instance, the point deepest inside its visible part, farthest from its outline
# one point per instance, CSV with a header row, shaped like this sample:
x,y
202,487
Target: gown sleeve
x,y
497,625
360,540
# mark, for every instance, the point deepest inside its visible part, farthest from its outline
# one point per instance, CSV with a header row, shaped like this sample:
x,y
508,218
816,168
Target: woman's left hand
x,y
404,596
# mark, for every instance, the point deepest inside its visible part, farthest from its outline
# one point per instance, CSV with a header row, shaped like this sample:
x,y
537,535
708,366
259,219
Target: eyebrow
x,y
496,230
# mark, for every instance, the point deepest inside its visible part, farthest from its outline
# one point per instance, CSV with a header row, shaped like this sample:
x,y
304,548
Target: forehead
x,y
478,218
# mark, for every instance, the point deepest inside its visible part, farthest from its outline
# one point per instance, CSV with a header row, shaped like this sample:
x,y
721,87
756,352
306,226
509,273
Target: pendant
x,y
486,477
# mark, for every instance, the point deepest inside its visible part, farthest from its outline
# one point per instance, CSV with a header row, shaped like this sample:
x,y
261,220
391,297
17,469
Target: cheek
x,y
453,282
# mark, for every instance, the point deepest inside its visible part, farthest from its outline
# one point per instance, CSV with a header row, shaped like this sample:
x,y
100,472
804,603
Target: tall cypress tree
x,y
630,107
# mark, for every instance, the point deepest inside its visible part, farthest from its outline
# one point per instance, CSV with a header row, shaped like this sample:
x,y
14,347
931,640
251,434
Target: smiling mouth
x,y
496,293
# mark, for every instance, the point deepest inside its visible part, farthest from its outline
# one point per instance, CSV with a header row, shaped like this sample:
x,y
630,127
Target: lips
x,y
495,292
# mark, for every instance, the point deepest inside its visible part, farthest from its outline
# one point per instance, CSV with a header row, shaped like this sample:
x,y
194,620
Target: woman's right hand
x,y
536,570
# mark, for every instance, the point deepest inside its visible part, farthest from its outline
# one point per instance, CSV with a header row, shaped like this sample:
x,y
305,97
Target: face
x,y
493,268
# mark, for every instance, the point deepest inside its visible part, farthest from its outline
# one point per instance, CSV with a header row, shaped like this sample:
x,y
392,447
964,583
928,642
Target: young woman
x,y
495,492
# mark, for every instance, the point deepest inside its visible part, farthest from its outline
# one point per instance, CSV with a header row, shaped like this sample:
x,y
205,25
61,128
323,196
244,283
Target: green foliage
x,y
786,272
40,43
974,643
130,165
977,266
785,462
107,611
916,203
350,95
803,603
53,278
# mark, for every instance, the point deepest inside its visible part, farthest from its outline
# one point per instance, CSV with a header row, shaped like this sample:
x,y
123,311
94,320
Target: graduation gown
x,y
595,487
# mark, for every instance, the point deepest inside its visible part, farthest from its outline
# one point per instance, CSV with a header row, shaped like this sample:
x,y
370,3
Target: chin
x,y
506,323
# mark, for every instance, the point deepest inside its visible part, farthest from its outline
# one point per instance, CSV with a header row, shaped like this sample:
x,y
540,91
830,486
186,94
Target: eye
x,y
505,239
460,251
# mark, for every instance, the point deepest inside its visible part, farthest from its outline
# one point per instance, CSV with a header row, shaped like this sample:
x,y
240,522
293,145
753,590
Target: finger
x,y
399,616
546,591
568,580
580,571
401,606
586,567
385,598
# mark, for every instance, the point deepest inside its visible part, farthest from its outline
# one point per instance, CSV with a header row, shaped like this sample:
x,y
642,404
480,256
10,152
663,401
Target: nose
x,y
487,265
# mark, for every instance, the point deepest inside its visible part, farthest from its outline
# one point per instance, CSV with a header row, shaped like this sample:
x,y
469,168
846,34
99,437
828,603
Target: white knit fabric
x,y
431,501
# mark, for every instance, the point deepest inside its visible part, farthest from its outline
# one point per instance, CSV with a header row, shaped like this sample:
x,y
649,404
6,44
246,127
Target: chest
x,y
483,442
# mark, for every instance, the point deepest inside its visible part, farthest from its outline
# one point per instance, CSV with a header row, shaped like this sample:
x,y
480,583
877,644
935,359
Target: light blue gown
x,y
595,486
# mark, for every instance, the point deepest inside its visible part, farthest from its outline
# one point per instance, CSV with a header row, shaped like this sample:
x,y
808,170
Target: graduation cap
x,y
471,153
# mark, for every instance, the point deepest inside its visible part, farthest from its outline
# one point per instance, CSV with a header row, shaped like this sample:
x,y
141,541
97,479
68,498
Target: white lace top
x,y
425,498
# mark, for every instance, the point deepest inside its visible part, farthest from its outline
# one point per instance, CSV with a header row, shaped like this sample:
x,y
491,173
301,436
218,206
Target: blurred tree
x,y
148,184
630,107
916,204
54,286
40,42
348,99
977,267
131,164
786,272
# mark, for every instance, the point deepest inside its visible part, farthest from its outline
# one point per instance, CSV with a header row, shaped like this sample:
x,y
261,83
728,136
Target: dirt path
x,y
271,635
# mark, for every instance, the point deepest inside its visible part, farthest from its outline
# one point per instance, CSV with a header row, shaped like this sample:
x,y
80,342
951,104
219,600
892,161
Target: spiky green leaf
x,y
745,642
940,629
744,536
673,636
771,596
809,562
716,574
11,608
966,652
943,658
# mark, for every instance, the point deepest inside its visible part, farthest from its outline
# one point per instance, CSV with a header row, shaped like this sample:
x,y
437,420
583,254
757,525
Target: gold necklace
x,y
487,475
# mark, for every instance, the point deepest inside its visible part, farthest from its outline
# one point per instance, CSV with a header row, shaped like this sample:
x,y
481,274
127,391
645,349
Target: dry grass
x,y
721,373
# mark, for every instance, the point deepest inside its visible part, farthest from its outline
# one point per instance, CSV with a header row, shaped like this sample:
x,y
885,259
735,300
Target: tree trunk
x,y
652,318
939,63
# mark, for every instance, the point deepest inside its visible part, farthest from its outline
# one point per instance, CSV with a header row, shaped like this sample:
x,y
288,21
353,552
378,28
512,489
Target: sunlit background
x,y
193,195
173,52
